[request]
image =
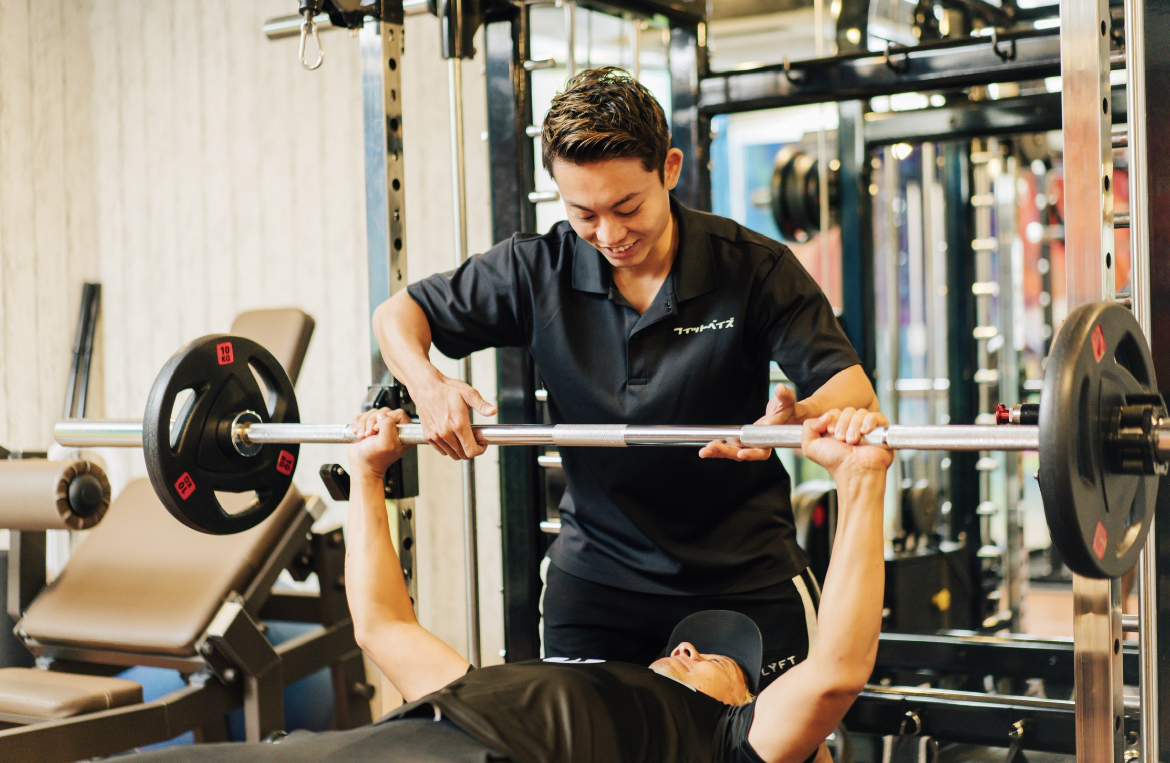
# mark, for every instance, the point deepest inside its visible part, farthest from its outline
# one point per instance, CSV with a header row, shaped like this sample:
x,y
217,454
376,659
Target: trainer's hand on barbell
x,y
444,412
377,445
782,408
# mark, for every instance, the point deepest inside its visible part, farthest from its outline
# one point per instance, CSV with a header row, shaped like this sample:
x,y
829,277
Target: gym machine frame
x,y
1084,66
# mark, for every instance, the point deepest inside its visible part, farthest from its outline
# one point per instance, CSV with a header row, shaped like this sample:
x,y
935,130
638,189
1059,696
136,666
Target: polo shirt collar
x,y
694,264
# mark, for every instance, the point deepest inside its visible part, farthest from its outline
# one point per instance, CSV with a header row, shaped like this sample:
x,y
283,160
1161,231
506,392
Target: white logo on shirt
x,y
572,660
778,667
729,323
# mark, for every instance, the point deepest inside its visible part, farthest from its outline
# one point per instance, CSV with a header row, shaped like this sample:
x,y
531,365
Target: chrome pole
x,y
459,189
1139,248
1085,63
570,38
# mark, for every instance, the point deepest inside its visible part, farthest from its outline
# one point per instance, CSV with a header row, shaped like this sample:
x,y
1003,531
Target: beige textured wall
x,y
195,169
46,209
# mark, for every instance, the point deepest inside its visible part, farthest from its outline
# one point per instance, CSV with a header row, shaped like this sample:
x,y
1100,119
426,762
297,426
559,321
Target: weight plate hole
x,y
1129,356
184,403
1108,260
1116,646
236,503
267,387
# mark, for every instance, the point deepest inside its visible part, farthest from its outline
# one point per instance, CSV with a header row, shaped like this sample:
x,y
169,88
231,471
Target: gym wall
x,y
47,225
172,152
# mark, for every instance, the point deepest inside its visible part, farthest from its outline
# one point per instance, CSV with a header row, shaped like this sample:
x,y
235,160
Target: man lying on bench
x,y
693,705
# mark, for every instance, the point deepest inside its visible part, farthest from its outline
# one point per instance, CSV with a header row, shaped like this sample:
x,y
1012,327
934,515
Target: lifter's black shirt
x,y
657,520
588,710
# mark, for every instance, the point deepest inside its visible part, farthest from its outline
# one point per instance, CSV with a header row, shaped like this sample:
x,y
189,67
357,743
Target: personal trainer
x,y
638,310
695,704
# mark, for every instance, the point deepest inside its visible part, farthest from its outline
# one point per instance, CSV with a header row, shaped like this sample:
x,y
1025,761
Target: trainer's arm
x,y
849,388
415,660
404,337
802,707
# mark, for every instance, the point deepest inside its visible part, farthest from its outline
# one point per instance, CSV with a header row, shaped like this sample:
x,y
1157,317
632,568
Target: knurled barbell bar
x,y
1103,436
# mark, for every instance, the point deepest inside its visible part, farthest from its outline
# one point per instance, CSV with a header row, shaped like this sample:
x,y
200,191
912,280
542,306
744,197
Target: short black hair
x,y
605,113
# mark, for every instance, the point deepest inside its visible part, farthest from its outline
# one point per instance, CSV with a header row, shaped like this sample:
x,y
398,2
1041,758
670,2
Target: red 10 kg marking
x,y
185,486
1098,340
225,353
285,463
1100,541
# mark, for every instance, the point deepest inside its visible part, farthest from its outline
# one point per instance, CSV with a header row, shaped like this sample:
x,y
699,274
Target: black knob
x,y
85,495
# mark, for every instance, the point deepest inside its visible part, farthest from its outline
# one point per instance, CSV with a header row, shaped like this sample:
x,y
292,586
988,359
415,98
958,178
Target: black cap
x,y
720,631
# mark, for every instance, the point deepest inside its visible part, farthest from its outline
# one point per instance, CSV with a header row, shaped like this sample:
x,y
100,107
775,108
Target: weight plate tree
x,y
192,457
1103,436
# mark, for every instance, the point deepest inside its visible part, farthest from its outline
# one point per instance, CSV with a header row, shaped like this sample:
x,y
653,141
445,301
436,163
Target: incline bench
x,y
143,589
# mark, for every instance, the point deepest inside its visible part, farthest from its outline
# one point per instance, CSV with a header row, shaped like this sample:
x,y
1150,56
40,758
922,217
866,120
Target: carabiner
x,y
310,27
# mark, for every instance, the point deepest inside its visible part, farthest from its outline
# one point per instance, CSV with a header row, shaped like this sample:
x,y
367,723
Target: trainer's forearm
x,y
846,389
374,585
404,338
849,618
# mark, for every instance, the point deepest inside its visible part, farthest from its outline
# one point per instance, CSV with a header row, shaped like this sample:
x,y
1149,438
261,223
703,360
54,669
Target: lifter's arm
x,y
404,337
415,660
802,707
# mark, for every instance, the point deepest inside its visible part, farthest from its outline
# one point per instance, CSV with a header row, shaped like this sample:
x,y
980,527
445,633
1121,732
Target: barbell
x,y
1103,436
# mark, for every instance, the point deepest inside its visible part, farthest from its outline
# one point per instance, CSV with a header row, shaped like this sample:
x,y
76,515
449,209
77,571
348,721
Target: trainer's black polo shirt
x,y
657,520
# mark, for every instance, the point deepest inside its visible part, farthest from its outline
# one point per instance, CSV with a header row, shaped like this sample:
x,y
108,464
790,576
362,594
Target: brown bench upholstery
x,y
285,332
142,581
44,694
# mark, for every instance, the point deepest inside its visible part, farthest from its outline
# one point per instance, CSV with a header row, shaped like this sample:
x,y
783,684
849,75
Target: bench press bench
x,y
145,590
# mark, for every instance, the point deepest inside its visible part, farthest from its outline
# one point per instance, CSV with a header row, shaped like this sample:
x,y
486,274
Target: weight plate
x,y
796,203
782,182
1098,516
193,458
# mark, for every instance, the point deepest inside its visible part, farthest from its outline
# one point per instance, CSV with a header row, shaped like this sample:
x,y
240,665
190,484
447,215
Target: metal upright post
x,y
570,37
381,57
459,190
1089,246
690,129
857,276
509,103
1014,558
1141,231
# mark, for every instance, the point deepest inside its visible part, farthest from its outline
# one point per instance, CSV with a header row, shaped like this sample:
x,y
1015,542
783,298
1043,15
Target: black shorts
x,y
401,740
582,619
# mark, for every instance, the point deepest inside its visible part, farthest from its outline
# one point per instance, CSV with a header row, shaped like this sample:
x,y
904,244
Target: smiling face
x,y
715,675
619,207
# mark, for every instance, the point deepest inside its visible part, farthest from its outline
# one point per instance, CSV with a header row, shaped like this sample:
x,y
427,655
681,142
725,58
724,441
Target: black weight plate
x,y
192,458
1097,516
782,179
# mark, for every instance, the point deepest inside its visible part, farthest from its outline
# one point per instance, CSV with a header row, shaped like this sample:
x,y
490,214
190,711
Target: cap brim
x,y
721,631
